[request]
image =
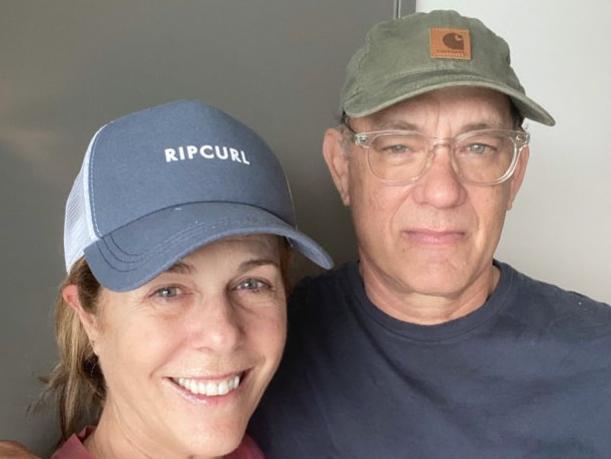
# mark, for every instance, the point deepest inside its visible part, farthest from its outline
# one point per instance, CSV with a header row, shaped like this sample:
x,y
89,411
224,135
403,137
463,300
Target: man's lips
x,y
434,237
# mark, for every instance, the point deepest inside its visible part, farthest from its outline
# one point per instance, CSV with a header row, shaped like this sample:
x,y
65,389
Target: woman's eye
x,y
252,284
167,292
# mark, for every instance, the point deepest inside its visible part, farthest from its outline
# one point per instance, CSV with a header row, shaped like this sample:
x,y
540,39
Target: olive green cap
x,y
405,57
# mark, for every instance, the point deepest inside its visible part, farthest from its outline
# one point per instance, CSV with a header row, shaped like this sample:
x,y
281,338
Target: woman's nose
x,y
216,324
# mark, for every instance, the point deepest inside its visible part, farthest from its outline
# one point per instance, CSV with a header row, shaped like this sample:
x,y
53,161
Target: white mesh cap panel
x,y
78,225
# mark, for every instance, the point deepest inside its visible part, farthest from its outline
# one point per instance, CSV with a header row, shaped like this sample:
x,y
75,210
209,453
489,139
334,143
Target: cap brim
x,y
138,252
364,104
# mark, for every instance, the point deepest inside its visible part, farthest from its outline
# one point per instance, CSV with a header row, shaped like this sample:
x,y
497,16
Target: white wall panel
x,y
560,227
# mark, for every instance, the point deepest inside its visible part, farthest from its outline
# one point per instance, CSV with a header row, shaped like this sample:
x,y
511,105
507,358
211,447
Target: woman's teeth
x,y
209,388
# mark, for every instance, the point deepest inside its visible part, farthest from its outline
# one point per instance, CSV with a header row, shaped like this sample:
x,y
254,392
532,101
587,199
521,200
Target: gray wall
x,y
68,66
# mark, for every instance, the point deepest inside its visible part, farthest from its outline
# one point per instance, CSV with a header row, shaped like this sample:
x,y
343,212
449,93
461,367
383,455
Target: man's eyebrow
x,y
404,125
394,124
481,125
180,267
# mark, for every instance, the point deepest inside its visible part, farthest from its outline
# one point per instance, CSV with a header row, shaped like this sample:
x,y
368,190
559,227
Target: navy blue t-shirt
x,y
527,375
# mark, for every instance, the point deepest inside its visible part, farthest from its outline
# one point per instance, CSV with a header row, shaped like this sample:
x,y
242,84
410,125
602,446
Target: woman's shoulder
x,y
248,449
74,448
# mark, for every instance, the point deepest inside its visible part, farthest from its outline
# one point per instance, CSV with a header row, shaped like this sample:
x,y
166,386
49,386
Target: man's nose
x,y
440,185
216,325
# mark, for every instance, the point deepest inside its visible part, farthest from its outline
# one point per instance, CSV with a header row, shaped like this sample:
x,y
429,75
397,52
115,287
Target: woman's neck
x,y
116,438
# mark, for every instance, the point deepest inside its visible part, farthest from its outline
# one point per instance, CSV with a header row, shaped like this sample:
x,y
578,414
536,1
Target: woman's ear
x,y
89,320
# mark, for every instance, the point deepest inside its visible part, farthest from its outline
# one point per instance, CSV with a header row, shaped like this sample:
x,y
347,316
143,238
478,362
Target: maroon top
x,y
73,448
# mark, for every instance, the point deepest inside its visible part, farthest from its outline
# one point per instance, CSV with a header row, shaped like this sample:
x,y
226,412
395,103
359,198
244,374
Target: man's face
x,y
436,236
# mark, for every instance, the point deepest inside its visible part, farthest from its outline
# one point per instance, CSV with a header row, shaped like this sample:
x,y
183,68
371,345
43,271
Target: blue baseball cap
x,y
159,183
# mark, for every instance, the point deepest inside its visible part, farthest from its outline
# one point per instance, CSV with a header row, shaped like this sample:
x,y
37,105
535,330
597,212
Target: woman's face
x,y
187,356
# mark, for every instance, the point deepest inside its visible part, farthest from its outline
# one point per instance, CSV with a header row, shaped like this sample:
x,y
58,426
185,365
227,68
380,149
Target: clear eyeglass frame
x,y
366,140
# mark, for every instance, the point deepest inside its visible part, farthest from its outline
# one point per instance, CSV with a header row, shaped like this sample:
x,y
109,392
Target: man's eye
x,y
252,284
478,148
167,292
398,148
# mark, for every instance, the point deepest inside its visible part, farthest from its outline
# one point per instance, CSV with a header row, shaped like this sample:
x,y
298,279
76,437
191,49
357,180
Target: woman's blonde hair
x,y
76,381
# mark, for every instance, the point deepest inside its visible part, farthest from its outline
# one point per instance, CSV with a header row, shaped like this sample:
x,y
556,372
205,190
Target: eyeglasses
x,y
482,157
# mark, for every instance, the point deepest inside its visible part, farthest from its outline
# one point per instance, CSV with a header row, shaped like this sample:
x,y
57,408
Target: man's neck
x,y
407,305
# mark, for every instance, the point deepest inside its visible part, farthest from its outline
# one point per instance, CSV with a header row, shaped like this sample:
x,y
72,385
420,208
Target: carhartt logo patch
x,y
450,43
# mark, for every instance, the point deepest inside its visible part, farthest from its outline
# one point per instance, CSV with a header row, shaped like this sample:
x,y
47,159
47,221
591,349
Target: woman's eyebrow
x,y
254,262
180,267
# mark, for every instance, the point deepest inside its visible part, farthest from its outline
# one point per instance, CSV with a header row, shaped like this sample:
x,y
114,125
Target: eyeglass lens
x,y
479,157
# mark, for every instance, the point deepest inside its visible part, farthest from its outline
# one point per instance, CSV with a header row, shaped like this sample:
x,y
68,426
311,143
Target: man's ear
x,y
338,162
89,320
518,175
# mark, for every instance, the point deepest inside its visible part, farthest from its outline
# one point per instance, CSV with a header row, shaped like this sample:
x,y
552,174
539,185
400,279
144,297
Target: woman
x,y
172,319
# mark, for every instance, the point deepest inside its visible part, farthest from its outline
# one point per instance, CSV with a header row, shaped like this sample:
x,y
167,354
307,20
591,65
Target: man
x,y
428,347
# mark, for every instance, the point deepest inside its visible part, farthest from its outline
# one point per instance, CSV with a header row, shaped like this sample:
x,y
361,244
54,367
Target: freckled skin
x,y
409,274
221,315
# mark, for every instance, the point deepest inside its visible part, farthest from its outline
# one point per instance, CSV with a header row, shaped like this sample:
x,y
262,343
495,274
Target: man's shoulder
x,y
313,290
562,311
